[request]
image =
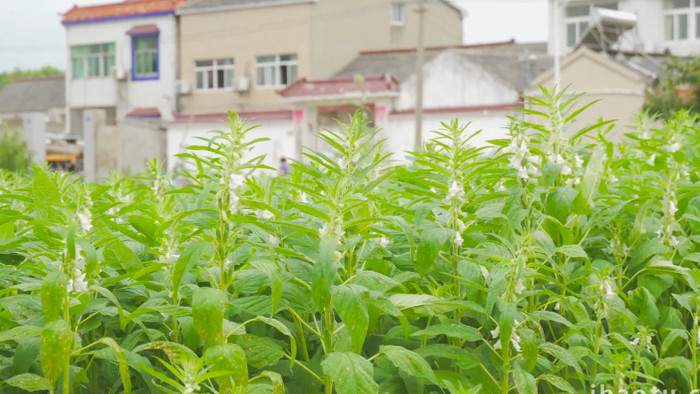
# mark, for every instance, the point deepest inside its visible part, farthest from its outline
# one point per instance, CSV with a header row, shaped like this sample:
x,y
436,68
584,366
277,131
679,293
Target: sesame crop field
x,y
555,261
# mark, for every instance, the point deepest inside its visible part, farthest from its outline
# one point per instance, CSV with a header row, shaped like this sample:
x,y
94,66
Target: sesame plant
x,y
554,260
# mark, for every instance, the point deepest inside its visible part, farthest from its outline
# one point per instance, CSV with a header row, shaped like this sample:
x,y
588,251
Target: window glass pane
x,y
220,79
284,76
676,3
210,79
77,51
683,26
94,66
668,27
146,43
610,6
266,59
697,25
570,34
285,58
577,10
228,78
108,64
260,76
223,62
203,63
200,79
582,28
292,73
78,67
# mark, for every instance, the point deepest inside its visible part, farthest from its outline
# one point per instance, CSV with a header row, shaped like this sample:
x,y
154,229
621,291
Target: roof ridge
x,y
438,48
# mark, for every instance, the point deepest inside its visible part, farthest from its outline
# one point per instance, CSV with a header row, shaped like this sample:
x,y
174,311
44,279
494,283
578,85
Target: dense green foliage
x,y
677,89
14,155
8,77
547,263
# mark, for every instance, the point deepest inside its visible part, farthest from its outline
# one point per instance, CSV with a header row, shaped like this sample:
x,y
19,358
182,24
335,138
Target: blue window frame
x,y
145,64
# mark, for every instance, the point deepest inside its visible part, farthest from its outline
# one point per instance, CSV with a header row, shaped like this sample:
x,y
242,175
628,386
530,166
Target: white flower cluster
x,y
234,182
522,161
383,242
674,144
78,284
643,341
607,289
571,171
514,338
672,240
455,191
331,232
85,219
615,245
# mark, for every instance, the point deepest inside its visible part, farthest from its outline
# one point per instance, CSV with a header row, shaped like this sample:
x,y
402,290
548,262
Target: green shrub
x,y
13,152
552,261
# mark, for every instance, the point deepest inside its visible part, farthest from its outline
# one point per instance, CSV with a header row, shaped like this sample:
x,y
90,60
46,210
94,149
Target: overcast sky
x,y
31,35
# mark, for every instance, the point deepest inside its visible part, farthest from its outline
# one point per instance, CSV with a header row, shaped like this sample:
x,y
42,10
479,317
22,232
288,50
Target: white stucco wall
x,y
452,81
128,94
281,141
399,130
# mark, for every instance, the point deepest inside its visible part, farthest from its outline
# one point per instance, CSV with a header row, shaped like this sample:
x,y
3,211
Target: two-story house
x,y
122,59
235,54
661,25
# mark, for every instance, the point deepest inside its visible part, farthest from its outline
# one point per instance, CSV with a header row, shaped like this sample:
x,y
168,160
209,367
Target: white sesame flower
x,y
578,161
461,226
613,178
343,163
609,293
273,240
625,248
635,341
235,181
523,174
264,214
532,170
303,198
674,147
455,191
537,160
556,159
672,209
515,341
79,284
557,307
500,187
566,170
324,231
383,242
519,287
458,239
433,190
644,135
651,160
85,222
673,241
497,331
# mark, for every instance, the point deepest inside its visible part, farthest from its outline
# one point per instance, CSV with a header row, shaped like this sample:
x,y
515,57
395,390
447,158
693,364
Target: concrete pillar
x,y
34,132
89,140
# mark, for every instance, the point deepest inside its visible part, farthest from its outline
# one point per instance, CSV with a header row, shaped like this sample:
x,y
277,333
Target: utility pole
x,y
420,59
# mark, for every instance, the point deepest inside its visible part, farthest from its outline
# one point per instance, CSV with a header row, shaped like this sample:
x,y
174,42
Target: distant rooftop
x,y
121,10
33,95
512,63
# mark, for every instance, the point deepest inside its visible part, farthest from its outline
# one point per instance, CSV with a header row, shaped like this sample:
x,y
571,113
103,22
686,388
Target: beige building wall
x,y
342,28
620,91
325,35
243,35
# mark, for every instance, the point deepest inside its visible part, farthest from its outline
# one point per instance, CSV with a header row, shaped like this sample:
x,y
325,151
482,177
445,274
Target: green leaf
x,y
351,373
573,251
29,382
123,365
430,242
524,382
558,382
228,357
350,302
451,330
324,273
56,348
408,361
21,332
562,354
45,194
208,314
53,294
261,352
190,256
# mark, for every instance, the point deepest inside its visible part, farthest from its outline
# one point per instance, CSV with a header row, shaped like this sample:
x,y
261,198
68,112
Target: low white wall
x,y
281,141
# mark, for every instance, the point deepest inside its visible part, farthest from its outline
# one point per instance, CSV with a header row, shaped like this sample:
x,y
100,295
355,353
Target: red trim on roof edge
x,y
144,113
120,10
142,29
448,110
439,48
253,116
338,86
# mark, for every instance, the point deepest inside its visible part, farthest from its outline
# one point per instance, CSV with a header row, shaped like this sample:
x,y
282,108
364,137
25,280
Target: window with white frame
x,y
89,61
678,15
578,18
214,74
275,71
398,14
145,53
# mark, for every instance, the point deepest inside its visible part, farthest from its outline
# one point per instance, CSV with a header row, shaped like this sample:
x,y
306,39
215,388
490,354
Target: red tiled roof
x,y
142,29
120,10
144,113
340,86
253,116
454,110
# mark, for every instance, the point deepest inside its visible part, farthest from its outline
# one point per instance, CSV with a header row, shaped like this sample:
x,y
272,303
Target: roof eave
x,y
234,7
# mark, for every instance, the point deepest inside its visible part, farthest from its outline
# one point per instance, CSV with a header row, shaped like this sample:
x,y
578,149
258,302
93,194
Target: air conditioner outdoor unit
x,y
182,86
119,74
241,84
